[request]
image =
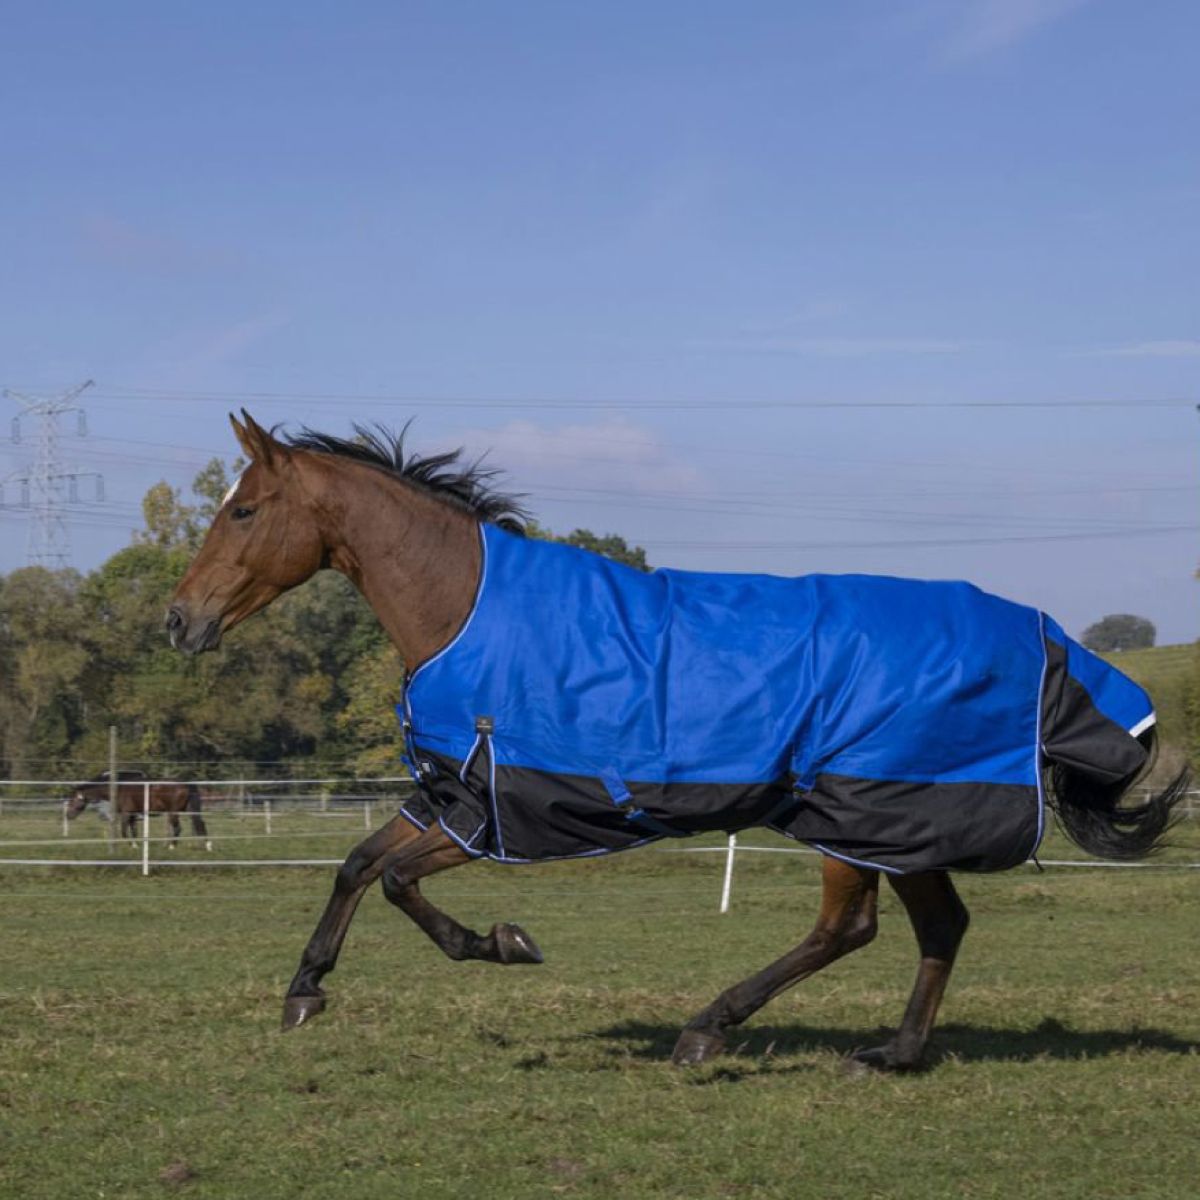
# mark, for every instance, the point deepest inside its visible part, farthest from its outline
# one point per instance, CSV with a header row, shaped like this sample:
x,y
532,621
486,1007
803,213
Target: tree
x,y
610,545
1119,631
42,661
312,679
170,522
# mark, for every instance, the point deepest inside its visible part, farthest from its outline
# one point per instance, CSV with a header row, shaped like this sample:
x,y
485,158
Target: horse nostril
x,y
175,623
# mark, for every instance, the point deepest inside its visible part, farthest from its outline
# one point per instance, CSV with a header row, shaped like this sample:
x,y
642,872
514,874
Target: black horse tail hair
x,y
1090,813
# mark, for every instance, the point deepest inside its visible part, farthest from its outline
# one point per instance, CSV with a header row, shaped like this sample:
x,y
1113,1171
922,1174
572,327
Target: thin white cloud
x,y
116,242
810,312
1167,348
983,27
229,343
608,455
188,357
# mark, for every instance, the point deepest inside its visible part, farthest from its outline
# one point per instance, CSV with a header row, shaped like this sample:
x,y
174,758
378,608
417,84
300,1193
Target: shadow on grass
x,y
966,1043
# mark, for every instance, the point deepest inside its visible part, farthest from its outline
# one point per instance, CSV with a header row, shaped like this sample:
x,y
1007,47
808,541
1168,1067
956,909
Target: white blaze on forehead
x,y
233,487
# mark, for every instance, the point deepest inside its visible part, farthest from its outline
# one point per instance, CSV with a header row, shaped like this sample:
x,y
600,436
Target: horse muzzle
x,y
192,637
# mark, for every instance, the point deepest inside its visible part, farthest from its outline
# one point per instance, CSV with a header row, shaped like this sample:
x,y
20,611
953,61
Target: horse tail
x,y
1090,812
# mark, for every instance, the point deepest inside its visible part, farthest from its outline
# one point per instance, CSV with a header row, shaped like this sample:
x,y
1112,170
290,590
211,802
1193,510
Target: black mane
x,y
465,485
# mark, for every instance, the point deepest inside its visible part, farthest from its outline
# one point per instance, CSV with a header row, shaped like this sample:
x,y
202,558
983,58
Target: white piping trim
x,y
483,571
856,862
1039,754
1143,725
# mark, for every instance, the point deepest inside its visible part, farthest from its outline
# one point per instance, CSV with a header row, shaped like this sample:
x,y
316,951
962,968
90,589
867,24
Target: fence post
x,y
367,814
66,820
728,886
113,827
146,828
267,812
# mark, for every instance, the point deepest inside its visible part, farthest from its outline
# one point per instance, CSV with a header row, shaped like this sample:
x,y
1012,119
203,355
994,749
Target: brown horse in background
x,y
169,798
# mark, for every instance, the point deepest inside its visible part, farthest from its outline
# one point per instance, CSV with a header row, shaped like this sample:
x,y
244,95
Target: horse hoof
x,y
883,1058
299,1009
694,1048
514,945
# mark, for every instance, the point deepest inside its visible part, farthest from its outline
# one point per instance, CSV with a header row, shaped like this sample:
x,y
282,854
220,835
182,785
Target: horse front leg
x,y
939,919
846,922
401,846
362,867
173,821
503,943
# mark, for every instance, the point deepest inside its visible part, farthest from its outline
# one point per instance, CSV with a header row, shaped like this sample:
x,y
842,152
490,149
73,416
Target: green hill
x,y
1171,674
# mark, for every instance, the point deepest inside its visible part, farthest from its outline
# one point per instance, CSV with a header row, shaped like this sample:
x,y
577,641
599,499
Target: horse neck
x,y
414,557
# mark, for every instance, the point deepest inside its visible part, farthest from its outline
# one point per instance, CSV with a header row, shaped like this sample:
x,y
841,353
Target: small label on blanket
x,y
485,725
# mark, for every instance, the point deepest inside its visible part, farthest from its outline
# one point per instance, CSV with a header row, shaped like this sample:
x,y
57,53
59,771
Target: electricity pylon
x,y
44,483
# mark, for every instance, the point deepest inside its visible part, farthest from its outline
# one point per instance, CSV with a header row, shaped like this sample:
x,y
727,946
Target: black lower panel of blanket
x,y
905,827
918,826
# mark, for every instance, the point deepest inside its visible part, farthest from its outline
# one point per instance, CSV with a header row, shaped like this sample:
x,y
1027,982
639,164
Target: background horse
x,y
411,534
169,798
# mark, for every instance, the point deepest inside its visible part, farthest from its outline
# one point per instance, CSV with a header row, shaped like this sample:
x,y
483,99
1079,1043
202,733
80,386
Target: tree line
x,y
309,683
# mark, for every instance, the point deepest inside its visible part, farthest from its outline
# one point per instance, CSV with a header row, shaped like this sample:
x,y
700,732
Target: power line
x,y
548,402
911,543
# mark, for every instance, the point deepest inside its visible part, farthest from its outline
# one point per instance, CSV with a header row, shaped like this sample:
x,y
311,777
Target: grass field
x,y
1171,674
140,1053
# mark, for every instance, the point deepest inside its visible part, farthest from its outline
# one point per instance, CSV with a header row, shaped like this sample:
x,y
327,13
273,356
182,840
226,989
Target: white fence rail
x,y
293,814
298,818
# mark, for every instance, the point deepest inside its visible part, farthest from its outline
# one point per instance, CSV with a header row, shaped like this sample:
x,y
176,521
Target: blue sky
x,y
666,260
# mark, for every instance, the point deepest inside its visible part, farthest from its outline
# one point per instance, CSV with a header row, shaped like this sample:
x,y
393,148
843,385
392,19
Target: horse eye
x,y
242,514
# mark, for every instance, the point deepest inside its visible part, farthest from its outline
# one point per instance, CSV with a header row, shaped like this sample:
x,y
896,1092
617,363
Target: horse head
x,y
265,539
79,800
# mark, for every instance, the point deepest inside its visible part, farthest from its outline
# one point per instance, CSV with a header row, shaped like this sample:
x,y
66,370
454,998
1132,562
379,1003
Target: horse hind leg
x,y
199,829
847,921
939,919
176,829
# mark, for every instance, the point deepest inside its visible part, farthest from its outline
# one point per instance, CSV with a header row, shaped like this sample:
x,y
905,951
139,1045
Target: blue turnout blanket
x,y
586,707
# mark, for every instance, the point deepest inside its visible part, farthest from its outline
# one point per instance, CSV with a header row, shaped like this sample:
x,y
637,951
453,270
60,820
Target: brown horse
x,y
407,533
169,798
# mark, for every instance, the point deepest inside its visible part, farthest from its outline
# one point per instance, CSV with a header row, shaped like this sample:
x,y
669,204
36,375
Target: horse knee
x,y
395,886
350,873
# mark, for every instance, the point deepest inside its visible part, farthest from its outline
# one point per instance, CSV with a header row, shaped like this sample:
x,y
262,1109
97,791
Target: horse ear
x,y
239,431
257,442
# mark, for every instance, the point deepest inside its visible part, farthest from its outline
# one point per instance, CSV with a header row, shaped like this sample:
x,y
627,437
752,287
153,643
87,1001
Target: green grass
x,y
138,1034
1170,674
